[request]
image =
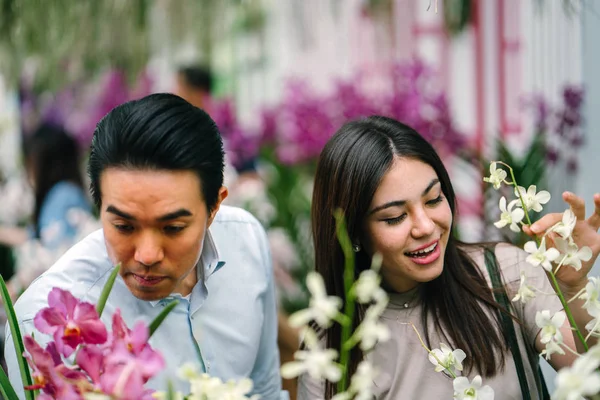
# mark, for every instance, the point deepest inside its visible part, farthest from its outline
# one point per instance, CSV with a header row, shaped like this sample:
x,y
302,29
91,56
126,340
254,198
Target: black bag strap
x,y
501,297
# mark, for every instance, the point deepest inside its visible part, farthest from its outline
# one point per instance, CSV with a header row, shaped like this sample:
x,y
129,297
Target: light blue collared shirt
x,y
228,326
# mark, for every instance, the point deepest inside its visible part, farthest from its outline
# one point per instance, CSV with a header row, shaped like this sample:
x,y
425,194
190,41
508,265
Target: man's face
x,y
154,224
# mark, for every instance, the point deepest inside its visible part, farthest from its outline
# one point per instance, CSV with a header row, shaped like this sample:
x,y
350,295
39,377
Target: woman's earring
x,y
356,248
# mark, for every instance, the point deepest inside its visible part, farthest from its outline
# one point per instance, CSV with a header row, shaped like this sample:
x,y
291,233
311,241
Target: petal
x,y
48,320
551,254
530,247
93,331
90,359
315,284
151,362
485,393
584,254
459,355
292,369
61,298
119,328
543,197
517,214
300,318
502,204
85,311
561,244
460,384
139,336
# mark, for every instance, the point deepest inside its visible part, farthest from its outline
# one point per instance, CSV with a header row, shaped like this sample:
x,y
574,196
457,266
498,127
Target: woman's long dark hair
x,y
52,156
349,171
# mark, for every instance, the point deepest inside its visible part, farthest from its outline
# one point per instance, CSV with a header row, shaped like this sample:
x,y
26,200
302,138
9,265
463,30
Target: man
x,y
195,84
156,170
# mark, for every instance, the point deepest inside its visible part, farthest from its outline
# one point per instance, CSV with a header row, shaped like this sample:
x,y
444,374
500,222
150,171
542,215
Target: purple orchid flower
x,y
70,321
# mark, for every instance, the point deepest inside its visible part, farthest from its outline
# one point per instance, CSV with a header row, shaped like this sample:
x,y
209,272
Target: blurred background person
x,y
52,163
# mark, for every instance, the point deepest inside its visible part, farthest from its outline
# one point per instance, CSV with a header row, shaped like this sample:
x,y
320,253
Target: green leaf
x,y
6,388
106,290
170,391
17,339
160,317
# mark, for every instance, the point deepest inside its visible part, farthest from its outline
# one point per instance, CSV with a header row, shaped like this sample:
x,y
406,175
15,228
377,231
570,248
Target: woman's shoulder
x,y
510,258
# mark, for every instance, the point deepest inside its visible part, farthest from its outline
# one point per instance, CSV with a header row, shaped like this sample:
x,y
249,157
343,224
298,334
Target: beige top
x,y
404,369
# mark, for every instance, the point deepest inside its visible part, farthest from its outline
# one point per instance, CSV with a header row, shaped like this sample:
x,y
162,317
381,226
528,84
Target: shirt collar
x,y
208,264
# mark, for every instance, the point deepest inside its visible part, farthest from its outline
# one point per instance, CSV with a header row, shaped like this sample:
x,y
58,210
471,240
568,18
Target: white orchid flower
x,y
361,384
571,254
550,325
321,308
447,359
317,362
371,330
592,296
565,227
580,379
367,286
533,201
539,255
552,348
497,176
465,390
593,327
510,215
525,292
550,334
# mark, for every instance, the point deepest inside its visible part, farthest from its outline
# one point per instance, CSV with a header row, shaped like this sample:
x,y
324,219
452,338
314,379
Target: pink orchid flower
x,y
70,321
126,371
129,361
136,339
50,374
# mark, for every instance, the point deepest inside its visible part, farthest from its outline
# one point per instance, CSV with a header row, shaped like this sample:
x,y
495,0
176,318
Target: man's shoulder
x,y
80,269
229,215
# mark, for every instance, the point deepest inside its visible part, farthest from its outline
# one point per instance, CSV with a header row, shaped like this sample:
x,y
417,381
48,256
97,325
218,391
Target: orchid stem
x,y
564,346
429,351
346,245
577,295
568,311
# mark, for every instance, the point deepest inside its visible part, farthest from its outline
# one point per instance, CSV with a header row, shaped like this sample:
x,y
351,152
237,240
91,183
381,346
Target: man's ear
x,y
223,193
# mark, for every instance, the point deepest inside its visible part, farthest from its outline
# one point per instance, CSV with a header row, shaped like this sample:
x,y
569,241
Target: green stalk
x,y
346,245
170,391
107,289
559,292
17,340
570,317
6,388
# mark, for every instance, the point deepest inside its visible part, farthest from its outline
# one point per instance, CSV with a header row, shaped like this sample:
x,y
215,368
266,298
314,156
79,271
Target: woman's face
x,y
408,223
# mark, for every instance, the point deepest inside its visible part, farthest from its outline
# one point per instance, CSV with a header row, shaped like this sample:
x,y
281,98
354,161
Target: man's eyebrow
x,y
182,212
122,214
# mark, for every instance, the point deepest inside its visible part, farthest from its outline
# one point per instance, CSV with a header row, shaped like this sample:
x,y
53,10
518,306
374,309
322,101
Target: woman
x,y
53,169
398,201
